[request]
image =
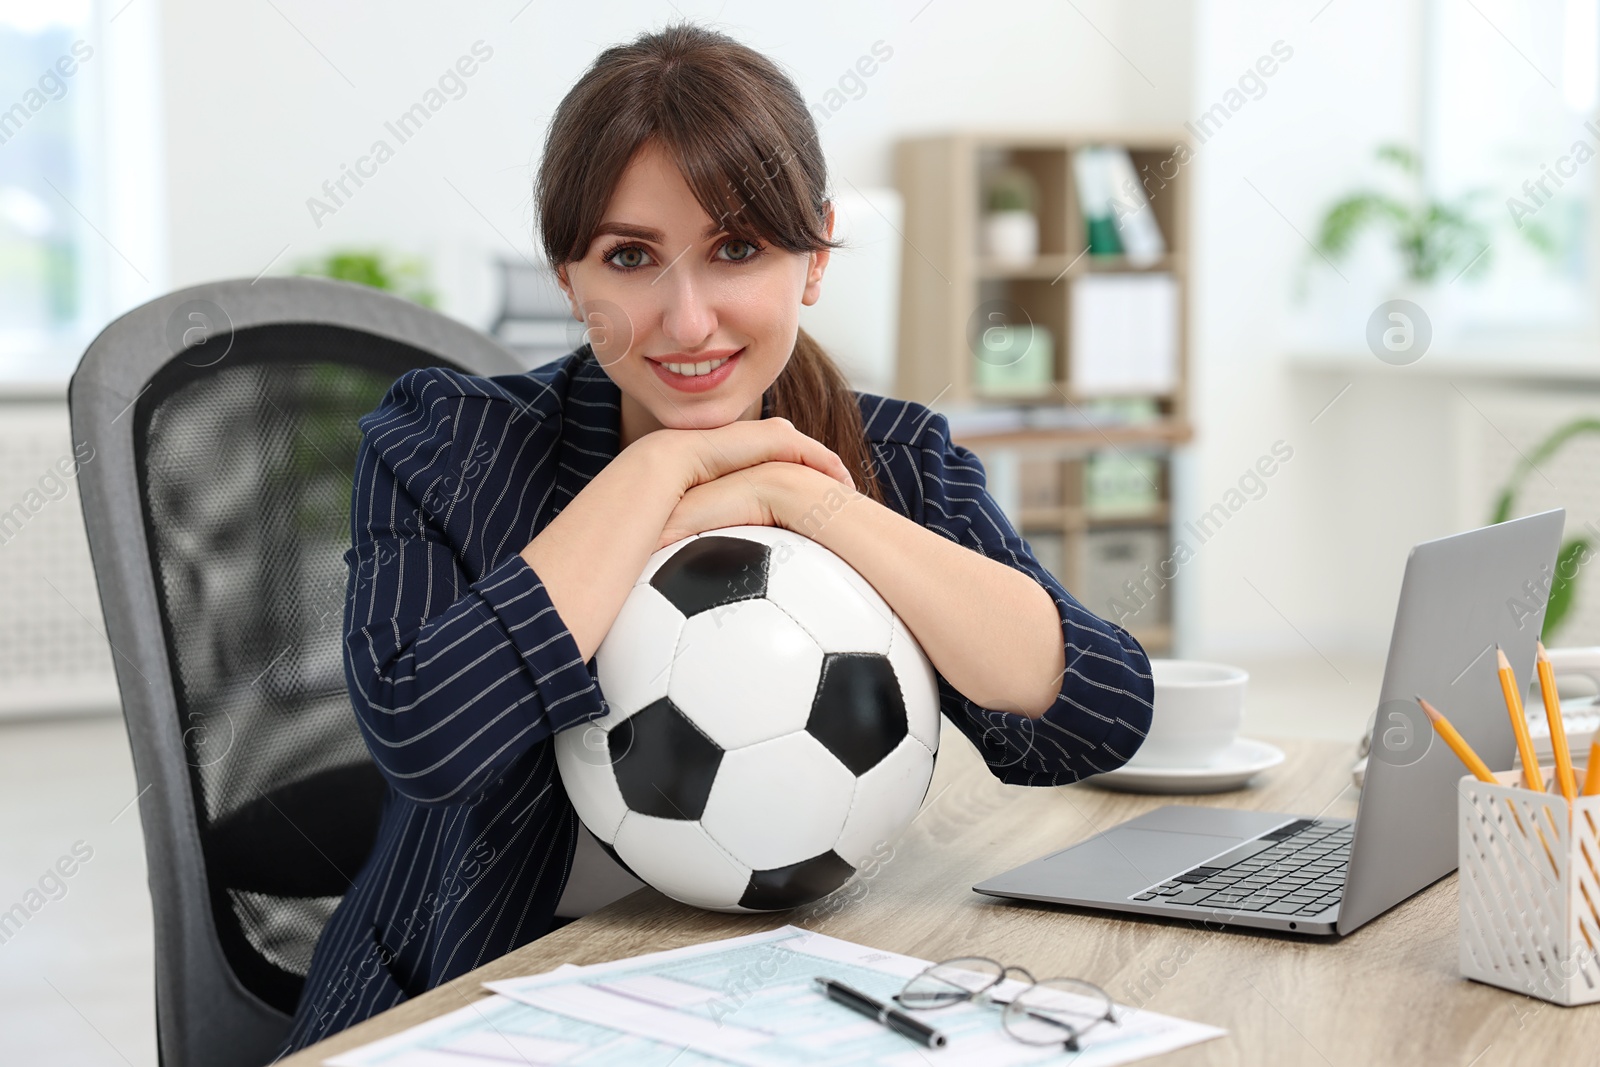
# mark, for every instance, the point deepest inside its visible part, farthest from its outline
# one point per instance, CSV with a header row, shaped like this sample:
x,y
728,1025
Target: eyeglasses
x,y
1054,1011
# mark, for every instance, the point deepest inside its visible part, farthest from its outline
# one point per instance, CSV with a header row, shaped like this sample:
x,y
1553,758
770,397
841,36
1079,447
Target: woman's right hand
x,y
700,456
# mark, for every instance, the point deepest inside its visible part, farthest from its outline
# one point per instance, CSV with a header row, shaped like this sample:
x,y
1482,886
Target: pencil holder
x,y
1530,890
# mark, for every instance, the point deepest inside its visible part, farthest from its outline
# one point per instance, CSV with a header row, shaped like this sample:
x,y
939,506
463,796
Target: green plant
x,y
326,435
1574,552
403,276
1432,236
1012,189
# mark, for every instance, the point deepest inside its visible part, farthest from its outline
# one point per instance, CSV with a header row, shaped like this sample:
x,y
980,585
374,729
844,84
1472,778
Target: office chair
x,y
222,420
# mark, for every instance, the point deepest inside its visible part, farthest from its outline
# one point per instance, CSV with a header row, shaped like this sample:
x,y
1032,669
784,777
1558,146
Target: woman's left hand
x,y
750,496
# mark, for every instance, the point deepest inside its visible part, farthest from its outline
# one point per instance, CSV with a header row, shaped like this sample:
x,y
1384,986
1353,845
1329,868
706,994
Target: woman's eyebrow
x,y
645,233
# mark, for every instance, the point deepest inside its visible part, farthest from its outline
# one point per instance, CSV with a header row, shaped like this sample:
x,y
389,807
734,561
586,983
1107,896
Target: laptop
x,y
1307,874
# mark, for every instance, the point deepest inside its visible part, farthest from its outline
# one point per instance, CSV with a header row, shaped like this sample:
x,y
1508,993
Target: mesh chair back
x,y
217,501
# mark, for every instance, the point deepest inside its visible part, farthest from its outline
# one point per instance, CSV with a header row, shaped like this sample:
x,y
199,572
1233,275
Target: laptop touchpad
x,y
1115,863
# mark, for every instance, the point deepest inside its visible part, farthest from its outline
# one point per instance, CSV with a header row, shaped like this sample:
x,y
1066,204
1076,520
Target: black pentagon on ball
x,y
799,883
664,765
858,714
709,572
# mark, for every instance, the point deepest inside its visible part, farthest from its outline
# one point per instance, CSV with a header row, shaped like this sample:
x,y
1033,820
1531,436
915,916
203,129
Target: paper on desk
x,y
498,1029
750,1000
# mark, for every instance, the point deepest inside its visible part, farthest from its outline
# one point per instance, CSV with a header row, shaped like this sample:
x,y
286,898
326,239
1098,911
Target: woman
x,y
500,522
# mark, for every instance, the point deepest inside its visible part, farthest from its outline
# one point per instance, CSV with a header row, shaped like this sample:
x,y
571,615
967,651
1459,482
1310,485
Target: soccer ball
x,y
771,724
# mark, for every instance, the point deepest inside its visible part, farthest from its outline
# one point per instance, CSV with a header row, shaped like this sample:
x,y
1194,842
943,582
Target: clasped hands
x,y
732,484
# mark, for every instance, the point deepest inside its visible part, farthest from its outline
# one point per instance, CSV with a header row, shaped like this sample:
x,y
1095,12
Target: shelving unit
x,y
947,287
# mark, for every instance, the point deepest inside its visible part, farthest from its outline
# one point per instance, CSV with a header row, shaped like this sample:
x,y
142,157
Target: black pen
x,y
887,1014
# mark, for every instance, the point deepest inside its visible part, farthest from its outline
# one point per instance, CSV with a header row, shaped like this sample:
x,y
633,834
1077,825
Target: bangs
x,y
739,133
752,188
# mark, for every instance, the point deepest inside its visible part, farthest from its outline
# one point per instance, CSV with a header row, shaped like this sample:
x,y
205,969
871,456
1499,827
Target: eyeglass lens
x,y
950,982
1056,1010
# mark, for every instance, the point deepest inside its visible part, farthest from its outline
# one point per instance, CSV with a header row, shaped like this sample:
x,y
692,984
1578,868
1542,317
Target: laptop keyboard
x,y
1297,869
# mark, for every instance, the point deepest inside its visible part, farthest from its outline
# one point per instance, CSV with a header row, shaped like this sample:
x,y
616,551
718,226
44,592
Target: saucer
x,y
1231,769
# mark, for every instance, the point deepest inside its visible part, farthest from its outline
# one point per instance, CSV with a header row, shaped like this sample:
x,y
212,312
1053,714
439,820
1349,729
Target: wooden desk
x,y
1388,993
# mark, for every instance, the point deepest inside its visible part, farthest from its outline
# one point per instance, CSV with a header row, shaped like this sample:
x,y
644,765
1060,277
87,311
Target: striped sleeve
x,y
1103,709
452,678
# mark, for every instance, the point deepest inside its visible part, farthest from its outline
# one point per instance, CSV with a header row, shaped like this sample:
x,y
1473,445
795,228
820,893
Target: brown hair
x,y
741,134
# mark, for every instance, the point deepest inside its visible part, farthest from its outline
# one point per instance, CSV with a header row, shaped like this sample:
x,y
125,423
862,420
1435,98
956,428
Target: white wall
x,y
257,119
1324,548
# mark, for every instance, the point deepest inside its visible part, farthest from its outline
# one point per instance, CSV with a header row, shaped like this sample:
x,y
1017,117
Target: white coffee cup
x,y
1198,708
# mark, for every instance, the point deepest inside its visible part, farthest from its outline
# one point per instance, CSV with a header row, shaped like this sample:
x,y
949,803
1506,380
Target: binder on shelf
x,y
1136,220
1116,214
1124,331
1094,200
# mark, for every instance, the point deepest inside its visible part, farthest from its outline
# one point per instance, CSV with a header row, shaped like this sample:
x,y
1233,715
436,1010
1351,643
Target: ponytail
x,y
813,393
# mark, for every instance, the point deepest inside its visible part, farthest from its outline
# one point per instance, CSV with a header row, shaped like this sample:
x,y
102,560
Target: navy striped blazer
x,y
460,668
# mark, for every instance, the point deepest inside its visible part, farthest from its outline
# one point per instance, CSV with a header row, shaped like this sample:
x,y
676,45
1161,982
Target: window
x,y
49,262
1509,109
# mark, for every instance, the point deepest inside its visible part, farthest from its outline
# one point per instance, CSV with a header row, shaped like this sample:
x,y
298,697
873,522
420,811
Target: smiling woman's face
x,y
663,285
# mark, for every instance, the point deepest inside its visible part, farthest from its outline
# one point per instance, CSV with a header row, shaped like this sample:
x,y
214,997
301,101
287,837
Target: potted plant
x,y
1010,226
1432,237
1574,552
325,428
403,276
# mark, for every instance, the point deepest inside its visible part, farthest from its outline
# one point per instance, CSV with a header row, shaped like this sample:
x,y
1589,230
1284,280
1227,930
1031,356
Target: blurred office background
x,y
147,145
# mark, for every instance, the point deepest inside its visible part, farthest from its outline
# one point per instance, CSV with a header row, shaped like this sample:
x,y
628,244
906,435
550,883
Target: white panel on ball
x,y
919,685
677,858
887,798
864,589
634,661
779,802
745,673
827,604
584,762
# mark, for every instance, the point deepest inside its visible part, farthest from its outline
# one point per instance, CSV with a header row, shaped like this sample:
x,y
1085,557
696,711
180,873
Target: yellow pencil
x,y
1566,780
1457,743
1532,776
1475,764
1591,777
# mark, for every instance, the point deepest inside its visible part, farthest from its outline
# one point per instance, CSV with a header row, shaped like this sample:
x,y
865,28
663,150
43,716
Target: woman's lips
x,y
698,383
